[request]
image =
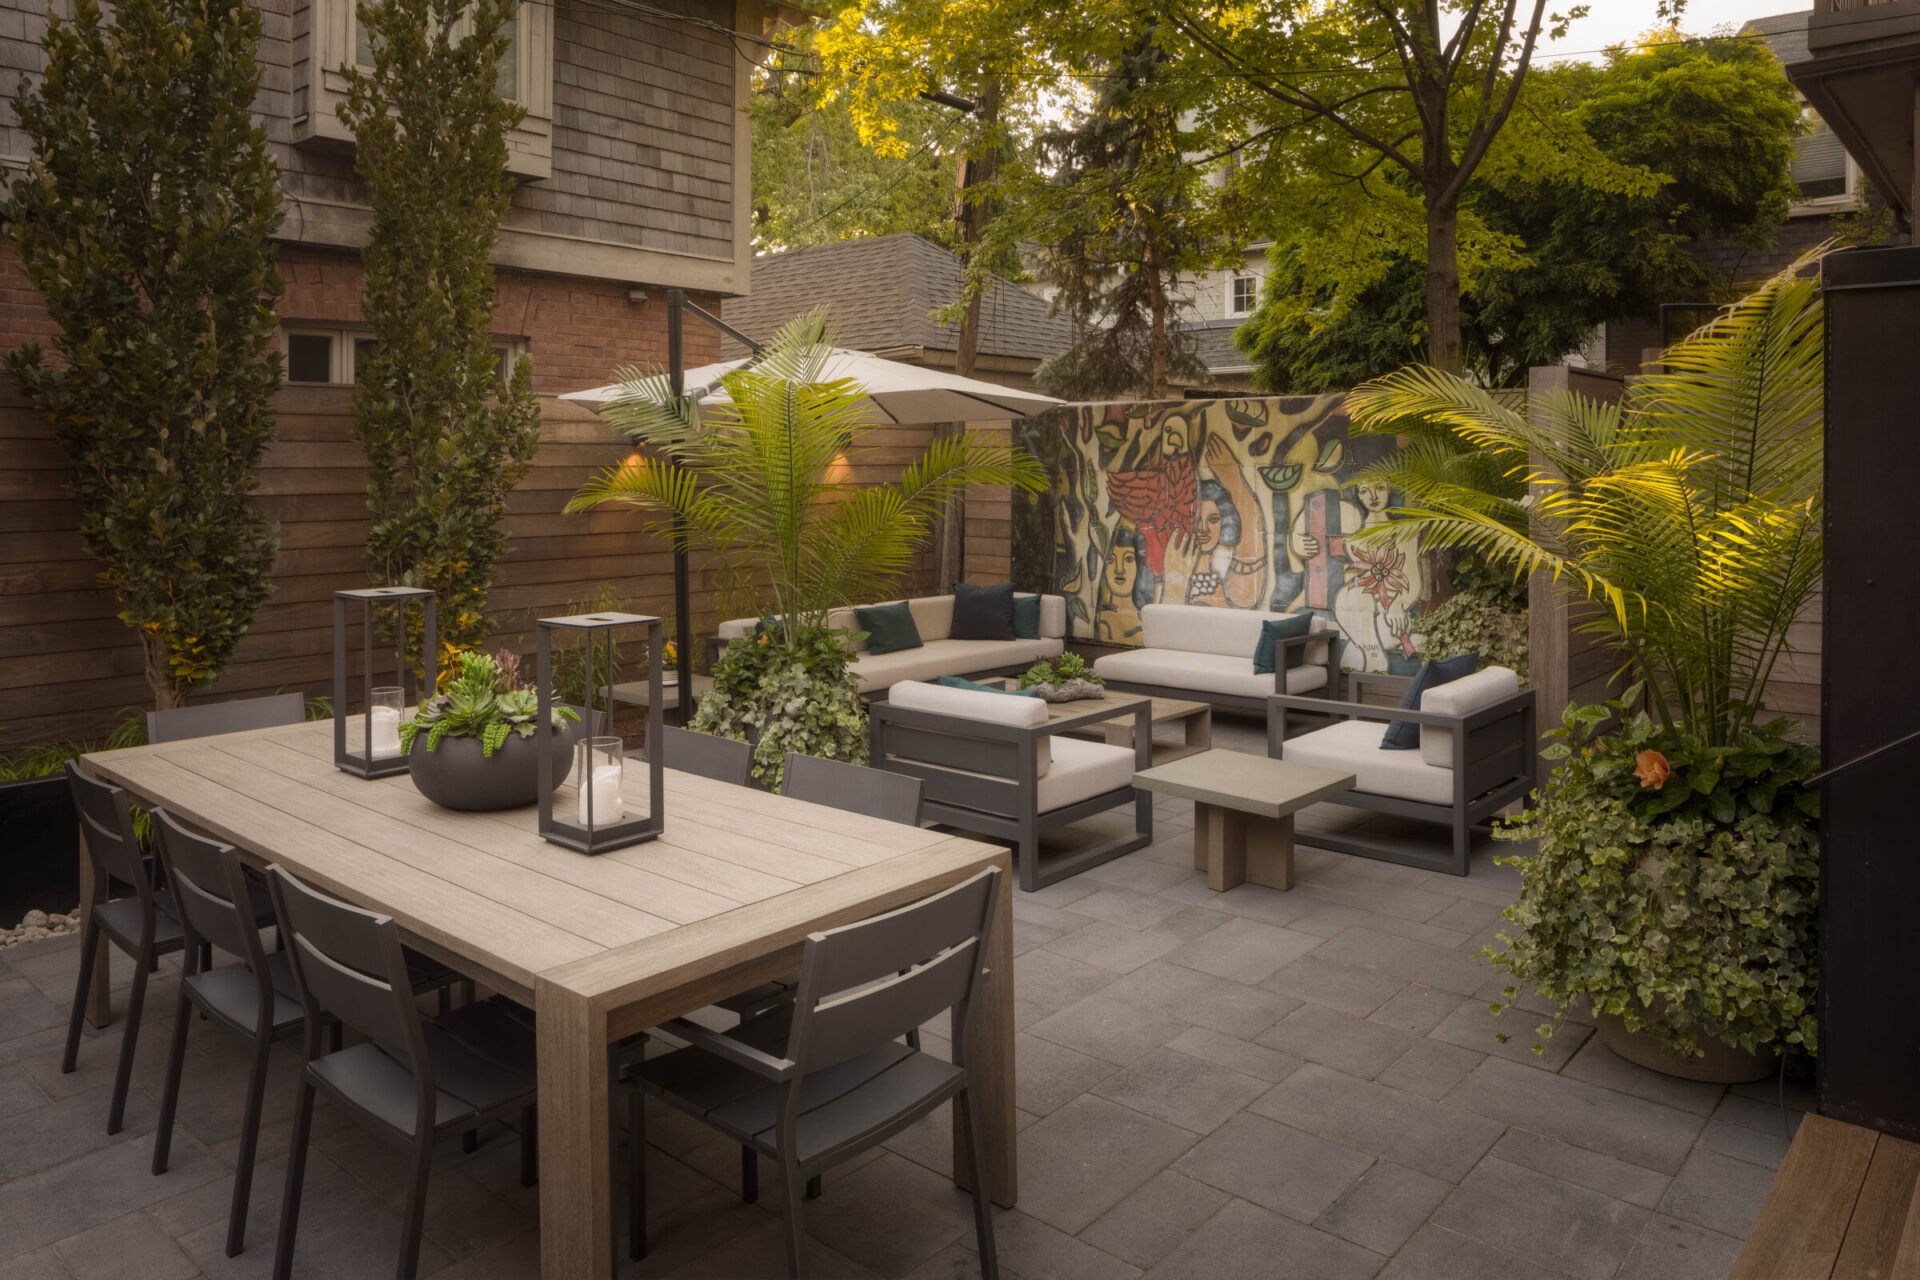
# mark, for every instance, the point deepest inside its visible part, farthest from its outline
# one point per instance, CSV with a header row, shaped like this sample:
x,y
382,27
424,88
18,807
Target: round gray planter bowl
x,y
457,776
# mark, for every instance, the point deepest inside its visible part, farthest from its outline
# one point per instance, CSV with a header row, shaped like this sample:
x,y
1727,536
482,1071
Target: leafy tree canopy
x,y
1584,214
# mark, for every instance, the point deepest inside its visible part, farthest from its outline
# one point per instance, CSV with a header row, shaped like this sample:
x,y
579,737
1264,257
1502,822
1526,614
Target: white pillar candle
x,y
386,732
605,788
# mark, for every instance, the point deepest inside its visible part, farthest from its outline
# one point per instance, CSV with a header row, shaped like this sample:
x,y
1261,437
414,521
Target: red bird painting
x,y
1159,502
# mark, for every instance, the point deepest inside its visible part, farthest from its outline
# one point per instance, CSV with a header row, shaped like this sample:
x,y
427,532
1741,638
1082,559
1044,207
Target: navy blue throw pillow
x,y
1404,735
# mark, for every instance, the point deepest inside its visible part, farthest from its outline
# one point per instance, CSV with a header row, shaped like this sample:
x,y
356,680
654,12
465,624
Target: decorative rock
x,y
35,919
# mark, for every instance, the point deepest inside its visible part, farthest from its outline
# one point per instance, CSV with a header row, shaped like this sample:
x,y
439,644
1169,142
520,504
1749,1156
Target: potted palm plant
x,y
762,478
1676,874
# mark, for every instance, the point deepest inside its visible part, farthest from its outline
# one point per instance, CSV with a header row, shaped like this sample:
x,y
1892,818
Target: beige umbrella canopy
x,y
896,392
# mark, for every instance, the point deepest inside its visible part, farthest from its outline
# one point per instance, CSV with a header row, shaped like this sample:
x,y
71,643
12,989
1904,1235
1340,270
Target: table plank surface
x,y
599,946
1805,1218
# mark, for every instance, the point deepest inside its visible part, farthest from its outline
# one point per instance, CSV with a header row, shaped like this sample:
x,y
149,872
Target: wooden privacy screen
x,y
71,667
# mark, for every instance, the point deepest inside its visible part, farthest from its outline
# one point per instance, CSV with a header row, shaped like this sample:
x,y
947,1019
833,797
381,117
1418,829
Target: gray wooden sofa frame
x,y
1242,702
1493,766
983,777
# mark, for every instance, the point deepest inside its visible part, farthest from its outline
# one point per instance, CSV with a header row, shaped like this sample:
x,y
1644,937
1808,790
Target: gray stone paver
x,y
1210,1085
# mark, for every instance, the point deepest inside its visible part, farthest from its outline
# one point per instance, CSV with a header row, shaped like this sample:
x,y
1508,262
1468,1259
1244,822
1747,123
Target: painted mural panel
x,y
1233,504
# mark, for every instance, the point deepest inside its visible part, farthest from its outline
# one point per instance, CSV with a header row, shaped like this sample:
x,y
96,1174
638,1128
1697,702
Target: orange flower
x,y
1652,769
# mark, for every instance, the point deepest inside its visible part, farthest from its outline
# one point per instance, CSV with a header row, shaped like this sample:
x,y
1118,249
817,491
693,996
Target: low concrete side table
x,y
1243,807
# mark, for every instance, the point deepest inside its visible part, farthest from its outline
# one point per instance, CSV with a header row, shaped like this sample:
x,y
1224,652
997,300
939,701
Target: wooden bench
x,y
1842,1207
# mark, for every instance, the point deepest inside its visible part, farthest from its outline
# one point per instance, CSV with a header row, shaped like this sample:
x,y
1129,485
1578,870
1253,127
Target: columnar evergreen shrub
x,y
446,438
145,218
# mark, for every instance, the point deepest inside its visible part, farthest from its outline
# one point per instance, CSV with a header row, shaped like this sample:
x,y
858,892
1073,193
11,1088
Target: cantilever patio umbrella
x,y
896,393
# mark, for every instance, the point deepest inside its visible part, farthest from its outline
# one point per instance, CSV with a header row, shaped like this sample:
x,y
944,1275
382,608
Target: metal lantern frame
x,y
598,629
362,763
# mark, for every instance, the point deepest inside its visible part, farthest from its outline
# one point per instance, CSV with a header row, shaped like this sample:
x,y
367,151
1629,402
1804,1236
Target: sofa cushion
x,y
877,671
1026,617
1082,770
1198,628
982,612
1272,632
1461,697
1201,673
967,704
1353,746
934,616
1404,735
889,627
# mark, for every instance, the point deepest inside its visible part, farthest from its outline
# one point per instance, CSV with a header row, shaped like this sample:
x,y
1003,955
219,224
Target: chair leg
x,y
129,1041
637,1186
249,1144
89,952
413,1220
170,1092
1462,844
982,1208
529,1147
470,1141
296,1176
814,1187
749,1175
796,1218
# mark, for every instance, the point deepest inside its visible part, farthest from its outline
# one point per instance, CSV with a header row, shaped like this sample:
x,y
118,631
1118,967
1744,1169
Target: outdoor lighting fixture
x,y
589,810
375,751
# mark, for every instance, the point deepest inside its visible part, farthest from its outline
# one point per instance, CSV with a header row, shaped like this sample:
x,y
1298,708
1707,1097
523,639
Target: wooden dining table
x,y
599,947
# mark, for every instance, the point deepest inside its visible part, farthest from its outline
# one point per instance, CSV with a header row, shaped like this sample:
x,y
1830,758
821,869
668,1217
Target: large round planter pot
x,y
1720,1063
457,776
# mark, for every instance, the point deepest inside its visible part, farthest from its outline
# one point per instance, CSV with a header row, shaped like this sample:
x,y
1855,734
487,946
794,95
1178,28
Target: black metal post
x,y
682,574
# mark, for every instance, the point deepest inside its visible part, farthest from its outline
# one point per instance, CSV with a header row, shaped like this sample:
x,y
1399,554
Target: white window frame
x,y
345,354
326,41
1234,310
1845,201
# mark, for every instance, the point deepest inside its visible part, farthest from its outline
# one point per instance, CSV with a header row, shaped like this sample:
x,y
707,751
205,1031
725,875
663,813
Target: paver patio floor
x,y
1254,1083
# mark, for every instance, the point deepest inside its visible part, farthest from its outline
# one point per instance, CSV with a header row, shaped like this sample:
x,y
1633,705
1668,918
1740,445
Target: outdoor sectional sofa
x,y
938,655
1203,654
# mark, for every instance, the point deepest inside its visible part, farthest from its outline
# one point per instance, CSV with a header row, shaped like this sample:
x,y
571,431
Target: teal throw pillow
x,y
961,682
1274,630
889,627
1404,735
1026,617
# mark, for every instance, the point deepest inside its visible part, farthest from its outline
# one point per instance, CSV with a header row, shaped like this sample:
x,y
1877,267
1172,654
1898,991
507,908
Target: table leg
x,y
990,1058
1118,733
1269,851
1200,730
1220,845
576,1228
92,893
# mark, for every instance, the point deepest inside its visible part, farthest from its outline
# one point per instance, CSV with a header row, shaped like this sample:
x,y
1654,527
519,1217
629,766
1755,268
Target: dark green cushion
x,y
1026,617
1404,735
889,627
1274,630
961,682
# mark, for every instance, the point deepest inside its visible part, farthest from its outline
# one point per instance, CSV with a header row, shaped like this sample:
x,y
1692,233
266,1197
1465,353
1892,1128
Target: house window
x,y
1821,168
1243,295
337,356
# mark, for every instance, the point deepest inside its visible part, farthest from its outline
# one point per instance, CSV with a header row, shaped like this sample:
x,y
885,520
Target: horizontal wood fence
x,y
71,667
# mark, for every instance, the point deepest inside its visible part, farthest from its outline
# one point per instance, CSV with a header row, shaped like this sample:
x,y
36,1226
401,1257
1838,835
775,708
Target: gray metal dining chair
x,y
412,1078
177,724
831,1079
256,998
855,788
721,759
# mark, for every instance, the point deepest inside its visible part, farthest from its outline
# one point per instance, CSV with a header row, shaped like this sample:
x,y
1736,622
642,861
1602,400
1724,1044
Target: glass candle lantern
x,y
591,810
372,748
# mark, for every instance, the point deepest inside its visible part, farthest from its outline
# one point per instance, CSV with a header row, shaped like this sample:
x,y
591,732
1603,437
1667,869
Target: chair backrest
x,y
348,964
855,788
106,829
209,891
721,759
176,724
866,983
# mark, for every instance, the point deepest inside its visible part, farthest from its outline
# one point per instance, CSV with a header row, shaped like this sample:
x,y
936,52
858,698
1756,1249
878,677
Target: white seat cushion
x,y
977,704
878,671
1353,746
933,618
1197,628
1461,697
1082,770
1201,672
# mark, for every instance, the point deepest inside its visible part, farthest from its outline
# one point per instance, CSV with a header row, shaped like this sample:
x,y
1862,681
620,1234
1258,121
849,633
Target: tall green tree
x,y
446,436
1624,166
145,218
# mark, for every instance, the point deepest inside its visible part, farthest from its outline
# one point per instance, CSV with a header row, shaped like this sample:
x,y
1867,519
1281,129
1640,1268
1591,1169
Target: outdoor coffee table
x,y
1243,807
1194,718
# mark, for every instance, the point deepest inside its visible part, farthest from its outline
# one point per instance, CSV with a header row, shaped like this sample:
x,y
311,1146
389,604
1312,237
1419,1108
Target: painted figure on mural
x,y
1126,583
1226,556
1382,582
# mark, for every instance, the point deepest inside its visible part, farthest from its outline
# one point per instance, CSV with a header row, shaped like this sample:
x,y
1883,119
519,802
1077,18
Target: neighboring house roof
x,y
882,291
1785,34
1214,343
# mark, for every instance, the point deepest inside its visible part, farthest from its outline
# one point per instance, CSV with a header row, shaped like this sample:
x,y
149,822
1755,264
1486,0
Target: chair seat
x,y
1353,746
229,993
1203,673
483,1060
121,919
1082,770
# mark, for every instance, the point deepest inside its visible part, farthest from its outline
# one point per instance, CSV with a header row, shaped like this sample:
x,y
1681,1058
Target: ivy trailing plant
x,y
446,437
485,700
1674,884
1486,614
145,218
786,695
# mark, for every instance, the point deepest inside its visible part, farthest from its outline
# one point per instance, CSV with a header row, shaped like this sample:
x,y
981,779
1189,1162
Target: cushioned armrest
x,y
1359,711
721,1045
